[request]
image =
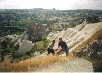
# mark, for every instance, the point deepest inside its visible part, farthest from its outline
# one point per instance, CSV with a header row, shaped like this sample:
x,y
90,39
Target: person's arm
x,y
51,46
63,48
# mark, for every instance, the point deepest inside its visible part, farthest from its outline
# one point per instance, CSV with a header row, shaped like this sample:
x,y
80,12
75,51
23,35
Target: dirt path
x,y
78,65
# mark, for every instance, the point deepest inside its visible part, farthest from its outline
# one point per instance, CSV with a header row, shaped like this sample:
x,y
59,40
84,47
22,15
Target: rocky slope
x,y
84,40
93,51
76,38
79,36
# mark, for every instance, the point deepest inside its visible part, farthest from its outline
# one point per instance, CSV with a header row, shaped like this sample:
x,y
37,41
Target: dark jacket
x,y
63,44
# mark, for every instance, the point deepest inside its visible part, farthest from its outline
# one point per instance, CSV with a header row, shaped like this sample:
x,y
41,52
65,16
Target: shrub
x,y
40,46
44,38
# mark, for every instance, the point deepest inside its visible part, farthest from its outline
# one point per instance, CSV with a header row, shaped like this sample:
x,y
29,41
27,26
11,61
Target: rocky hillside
x,y
93,52
77,39
79,36
84,40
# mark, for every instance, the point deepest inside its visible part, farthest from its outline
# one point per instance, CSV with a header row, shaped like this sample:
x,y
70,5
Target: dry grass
x,y
34,63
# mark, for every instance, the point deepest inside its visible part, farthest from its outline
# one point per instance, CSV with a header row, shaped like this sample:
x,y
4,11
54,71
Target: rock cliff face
x,y
92,19
25,47
92,50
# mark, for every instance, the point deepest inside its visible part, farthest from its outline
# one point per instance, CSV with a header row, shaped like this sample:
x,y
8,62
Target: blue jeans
x,y
65,49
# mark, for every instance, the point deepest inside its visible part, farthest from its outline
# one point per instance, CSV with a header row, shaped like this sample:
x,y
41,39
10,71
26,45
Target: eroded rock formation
x,y
92,50
35,31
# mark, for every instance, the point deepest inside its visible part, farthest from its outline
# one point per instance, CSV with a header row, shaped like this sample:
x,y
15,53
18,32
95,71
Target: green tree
x,y
44,38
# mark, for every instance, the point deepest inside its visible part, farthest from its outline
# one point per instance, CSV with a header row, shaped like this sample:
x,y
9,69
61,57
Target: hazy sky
x,y
49,4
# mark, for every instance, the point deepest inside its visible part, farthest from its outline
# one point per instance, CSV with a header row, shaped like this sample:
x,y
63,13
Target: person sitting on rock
x,y
63,46
50,47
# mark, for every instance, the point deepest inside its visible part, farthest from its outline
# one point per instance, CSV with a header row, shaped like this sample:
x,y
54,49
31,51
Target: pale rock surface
x,y
26,46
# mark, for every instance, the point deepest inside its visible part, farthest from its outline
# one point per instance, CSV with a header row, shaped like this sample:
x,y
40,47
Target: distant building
x,y
40,9
37,9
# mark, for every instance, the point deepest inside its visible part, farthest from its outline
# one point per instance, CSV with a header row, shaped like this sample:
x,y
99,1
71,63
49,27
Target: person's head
x,y
60,39
53,41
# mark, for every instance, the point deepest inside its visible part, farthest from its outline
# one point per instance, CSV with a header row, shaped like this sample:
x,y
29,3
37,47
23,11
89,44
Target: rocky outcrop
x,y
92,19
35,31
25,47
77,37
92,50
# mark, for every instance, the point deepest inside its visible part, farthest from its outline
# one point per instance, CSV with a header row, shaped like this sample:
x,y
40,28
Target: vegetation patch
x,y
33,64
41,46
